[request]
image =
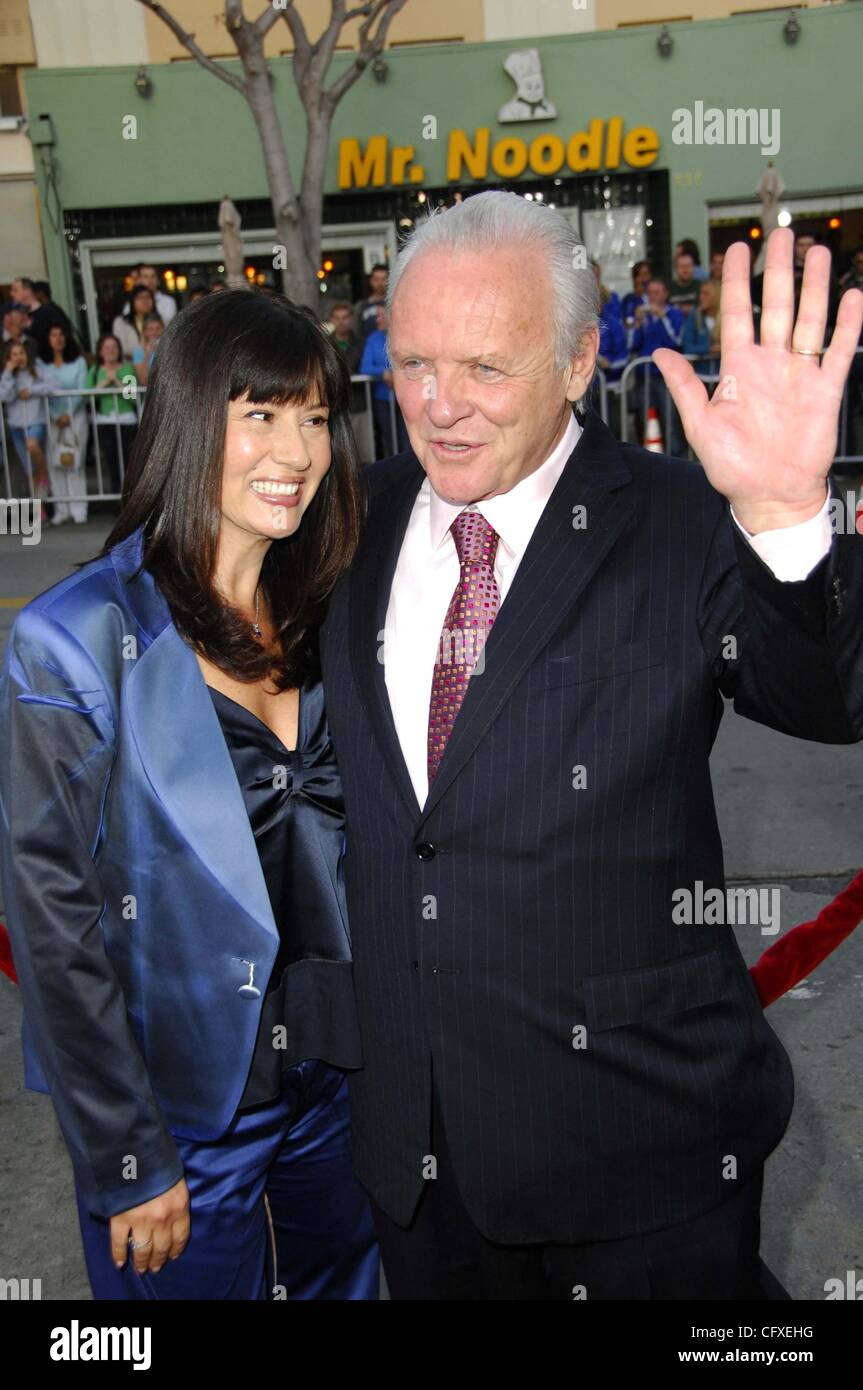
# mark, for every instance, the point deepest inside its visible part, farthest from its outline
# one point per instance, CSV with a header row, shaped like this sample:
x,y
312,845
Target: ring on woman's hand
x,y
139,1244
808,352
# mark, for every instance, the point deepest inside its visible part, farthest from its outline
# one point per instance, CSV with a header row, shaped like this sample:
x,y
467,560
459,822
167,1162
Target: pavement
x,y
791,816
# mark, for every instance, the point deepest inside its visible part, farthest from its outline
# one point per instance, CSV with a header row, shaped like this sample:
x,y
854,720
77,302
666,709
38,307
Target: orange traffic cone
x,y
653,432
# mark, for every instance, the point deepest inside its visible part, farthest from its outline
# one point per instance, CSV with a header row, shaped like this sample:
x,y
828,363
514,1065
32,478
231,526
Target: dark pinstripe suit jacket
x,y
602,1070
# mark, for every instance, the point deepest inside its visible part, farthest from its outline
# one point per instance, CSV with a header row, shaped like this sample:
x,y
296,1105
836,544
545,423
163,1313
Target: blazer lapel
x,y
182,748
371,580
559,562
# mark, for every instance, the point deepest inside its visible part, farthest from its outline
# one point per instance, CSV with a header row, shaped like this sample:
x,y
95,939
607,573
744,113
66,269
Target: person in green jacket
x,y
116,410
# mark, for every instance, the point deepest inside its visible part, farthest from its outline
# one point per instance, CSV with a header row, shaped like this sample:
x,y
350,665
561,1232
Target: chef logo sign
x,y
603,143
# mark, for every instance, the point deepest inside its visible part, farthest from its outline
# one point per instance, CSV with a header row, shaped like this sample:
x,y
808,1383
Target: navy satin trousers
x,y
296,1150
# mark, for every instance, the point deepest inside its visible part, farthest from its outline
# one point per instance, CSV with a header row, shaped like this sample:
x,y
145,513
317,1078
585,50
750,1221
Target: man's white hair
x,y
490,221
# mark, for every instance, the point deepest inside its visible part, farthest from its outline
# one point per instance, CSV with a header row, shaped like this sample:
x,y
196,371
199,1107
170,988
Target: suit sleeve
x,y
788,653
56,754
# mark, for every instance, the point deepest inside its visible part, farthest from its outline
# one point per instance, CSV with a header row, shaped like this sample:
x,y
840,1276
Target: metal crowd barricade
x,y
849,434
19,482
632,394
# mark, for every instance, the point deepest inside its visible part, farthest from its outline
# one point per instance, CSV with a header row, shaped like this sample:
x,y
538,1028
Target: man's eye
x,y
485,369
413,364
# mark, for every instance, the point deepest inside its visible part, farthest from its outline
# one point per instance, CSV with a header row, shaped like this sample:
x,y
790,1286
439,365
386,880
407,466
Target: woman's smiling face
x,y
276,457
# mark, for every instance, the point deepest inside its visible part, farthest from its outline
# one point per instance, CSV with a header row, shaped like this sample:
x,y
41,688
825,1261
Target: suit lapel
x,y
371,580
559,562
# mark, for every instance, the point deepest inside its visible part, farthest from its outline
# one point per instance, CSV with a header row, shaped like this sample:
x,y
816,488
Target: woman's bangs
x,y
283,369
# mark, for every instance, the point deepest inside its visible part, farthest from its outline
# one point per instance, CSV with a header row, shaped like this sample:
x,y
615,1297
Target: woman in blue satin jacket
x,y
172,831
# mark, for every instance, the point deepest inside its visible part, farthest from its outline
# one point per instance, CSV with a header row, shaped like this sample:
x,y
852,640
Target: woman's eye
x,y
317,420
265,414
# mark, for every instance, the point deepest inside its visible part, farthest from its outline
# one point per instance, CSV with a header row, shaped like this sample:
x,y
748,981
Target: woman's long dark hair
x,y
71,350
229,345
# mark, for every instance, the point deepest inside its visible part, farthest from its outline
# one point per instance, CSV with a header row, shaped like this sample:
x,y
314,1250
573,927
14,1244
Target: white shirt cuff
x,y
792,552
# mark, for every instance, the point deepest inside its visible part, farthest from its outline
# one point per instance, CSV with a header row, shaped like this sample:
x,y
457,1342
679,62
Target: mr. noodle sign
x,y
603,145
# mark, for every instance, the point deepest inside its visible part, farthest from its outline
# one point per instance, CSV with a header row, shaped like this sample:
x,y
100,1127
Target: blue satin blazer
x,y
139,916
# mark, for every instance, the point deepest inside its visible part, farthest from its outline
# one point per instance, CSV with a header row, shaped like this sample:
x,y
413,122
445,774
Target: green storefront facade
x,y
123,176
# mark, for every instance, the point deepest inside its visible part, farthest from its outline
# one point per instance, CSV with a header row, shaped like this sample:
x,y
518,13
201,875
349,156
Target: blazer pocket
x,y
657,991
613,661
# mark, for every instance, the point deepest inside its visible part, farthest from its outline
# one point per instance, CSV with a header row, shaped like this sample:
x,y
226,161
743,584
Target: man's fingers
x,y
777,300
687,389
735,325
836,362
808,335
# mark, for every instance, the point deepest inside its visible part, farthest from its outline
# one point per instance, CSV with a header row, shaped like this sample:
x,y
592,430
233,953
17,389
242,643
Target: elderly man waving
x,y
569,1091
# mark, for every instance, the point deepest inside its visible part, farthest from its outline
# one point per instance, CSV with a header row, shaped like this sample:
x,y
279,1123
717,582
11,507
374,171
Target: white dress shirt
x,y
427,572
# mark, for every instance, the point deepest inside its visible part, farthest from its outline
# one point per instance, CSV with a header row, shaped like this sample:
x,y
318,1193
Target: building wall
x,y
16,38
420,20
611,13
195,140
88,33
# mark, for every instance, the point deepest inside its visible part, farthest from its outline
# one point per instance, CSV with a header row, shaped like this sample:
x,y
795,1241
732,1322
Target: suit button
x,y
425,851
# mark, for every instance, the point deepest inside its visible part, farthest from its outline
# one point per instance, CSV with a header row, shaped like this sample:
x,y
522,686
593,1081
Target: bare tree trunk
x,y
298,220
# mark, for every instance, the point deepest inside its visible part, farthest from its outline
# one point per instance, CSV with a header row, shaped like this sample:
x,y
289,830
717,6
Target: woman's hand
x,y
159,1229
24,393
63,420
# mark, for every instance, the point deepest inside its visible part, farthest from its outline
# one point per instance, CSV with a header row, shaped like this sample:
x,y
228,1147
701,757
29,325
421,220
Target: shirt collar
x,y
513,514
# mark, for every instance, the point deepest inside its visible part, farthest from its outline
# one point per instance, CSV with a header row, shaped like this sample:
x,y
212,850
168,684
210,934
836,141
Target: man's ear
x,y
583,365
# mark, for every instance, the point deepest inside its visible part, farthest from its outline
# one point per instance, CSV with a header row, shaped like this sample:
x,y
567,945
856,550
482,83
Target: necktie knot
x,y
475,539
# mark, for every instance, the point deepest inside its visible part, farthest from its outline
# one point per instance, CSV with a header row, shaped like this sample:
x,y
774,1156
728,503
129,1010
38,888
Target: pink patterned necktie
x,y
472,610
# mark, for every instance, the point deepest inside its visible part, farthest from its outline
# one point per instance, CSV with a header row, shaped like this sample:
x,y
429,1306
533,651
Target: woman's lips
x,y
277,496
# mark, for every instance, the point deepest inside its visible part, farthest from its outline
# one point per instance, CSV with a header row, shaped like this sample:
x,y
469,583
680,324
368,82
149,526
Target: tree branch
x,y
188,42
302,47
264,23
371,45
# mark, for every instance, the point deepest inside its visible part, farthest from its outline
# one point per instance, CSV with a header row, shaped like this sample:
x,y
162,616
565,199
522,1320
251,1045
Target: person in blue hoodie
x,y
613,350
375,362
701,329
658,324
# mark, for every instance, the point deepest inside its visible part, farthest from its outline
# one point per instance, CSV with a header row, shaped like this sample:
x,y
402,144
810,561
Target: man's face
x,y
657,294
716,263
801,246
685,268
341,321
13,324
472,348
641,279
858,264
378,283
21,294
147,276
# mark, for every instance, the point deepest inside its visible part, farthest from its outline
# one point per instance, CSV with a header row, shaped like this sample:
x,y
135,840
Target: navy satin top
x,y
295,807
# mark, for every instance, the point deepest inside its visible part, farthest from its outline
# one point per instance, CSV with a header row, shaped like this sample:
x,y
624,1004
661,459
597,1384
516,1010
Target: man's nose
x,y
447,398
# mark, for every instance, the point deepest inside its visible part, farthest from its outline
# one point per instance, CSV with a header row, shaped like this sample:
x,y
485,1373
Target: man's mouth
x,y
455,448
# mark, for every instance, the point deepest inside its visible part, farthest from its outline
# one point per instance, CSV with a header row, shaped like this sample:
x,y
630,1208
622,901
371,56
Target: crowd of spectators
x,y
44,369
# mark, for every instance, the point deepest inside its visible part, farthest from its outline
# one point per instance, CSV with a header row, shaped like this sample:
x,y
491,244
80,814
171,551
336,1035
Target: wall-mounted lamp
x,y
791,28
143,85
665,43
